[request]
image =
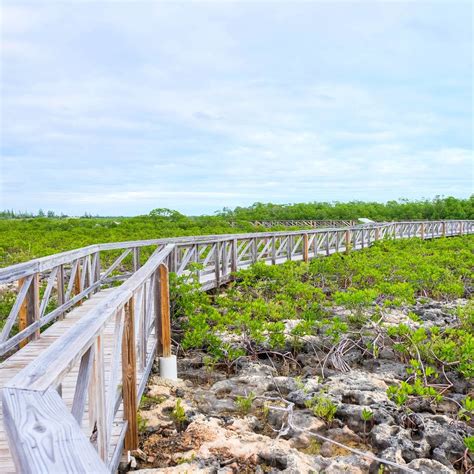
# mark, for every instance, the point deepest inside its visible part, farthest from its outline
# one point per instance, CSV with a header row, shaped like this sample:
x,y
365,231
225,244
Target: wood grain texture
x,y
129,379
97,385
60,287
83,377
48,368
44,437
305,248
165,321
19,308
30,310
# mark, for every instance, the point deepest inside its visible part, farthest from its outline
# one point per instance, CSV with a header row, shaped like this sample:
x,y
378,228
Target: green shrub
x,y
244,403
322,407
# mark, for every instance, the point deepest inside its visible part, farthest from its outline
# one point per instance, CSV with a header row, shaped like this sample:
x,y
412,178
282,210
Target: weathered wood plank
x,y
44,437
47,292
97,386
60,287
164,313
18,306
82,384
30,310
129,379
48,368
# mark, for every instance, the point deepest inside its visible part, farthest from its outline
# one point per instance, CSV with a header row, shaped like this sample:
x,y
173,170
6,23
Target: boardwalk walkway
x,y
70,395
22,358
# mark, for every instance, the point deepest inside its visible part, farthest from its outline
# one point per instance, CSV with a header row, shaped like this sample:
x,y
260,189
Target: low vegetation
x,y
256,308
24,236
372,348
24,239
368,351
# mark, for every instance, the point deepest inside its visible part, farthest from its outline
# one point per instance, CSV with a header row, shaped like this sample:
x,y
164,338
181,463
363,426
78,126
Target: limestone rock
x,y
429,466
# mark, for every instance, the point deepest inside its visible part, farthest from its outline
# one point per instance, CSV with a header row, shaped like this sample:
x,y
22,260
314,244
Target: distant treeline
x,y
11,214
403,209
25,236
438,208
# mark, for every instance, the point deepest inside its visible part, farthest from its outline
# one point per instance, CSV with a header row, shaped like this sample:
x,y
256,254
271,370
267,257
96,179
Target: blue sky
x,y
122,107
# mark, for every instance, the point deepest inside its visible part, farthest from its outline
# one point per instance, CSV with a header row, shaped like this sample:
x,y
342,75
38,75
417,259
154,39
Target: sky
x,y
117,108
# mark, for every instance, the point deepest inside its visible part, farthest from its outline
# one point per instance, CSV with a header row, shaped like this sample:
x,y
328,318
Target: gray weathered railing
x,y
316,224
45,435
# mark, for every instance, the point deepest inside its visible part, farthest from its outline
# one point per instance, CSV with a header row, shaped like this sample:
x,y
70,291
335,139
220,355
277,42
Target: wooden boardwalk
x,y
23,357
70,395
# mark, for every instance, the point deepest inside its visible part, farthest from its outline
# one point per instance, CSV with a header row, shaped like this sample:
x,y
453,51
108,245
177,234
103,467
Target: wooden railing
x,y
44,436
62,281
47,436
316,224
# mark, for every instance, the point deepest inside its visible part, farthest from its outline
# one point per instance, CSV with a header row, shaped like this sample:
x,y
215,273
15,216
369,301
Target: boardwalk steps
x,y
70,395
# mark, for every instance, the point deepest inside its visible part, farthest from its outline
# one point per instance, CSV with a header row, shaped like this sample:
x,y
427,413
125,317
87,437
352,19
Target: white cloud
x,y
211,105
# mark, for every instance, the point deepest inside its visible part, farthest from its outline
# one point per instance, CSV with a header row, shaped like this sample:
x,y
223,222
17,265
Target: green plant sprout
x,y
244,403
179,414
322,407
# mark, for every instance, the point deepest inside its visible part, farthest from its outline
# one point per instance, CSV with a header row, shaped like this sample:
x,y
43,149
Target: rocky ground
x,y
259,414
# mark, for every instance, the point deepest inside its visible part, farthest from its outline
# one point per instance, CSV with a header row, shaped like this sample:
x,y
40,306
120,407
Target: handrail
x,y
317,223
34,386
136,314
41,264
74,275
39,375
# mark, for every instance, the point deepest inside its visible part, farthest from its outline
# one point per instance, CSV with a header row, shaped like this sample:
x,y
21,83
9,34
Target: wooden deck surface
x,y
24,356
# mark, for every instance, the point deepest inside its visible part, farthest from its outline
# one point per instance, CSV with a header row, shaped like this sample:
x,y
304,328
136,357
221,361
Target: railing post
x,y
96,268
422,231
136,258
444,229
168,363
315,245
327,243
60,288
254,250
234,256
77,278
162,319
173,260
225,271
97,410
157,315
348,241
30,309
217,264
141,319
129,378
305,248
77,281
460,228
273,250
377,233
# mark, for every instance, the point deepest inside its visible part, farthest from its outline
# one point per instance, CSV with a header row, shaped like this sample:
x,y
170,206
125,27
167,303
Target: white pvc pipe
x,y
169,367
